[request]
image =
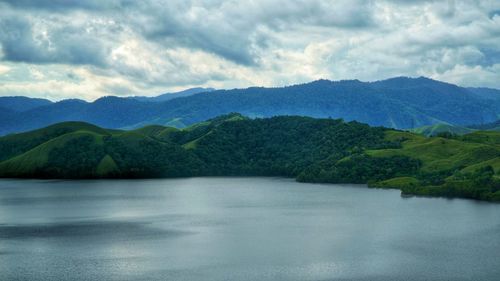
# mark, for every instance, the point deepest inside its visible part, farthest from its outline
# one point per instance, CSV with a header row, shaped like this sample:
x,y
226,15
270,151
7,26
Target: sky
x,y
61,49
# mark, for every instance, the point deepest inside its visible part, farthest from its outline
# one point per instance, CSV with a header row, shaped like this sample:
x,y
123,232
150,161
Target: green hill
x,y
40,158
308,149
14,144
438,154
467,166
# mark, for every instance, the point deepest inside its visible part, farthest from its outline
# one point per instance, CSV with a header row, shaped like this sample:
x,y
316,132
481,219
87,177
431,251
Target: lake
x,y
240,229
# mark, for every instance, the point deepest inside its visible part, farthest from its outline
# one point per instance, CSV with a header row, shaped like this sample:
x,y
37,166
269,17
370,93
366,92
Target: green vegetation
x,y
107,167
458,166
399,183
308,149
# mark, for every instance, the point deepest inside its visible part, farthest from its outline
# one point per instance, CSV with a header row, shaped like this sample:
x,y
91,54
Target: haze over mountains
x,y
169,96
399,102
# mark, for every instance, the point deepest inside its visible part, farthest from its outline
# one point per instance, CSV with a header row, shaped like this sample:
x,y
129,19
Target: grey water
x,y
240,229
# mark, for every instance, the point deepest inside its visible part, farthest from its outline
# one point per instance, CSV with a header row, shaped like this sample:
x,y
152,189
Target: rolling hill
x,y
397,103
308,149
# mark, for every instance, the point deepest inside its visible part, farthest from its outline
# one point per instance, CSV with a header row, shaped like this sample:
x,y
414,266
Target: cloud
x,y
225,28
64,5
127,47
60,40
4,69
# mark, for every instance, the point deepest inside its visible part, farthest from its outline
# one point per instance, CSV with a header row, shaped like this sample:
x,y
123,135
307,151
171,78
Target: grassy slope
x,y
494,163
465,156
107,167
486,137
399,182
439,154
175,122
13,145
155,131
208,126
35,158
25,153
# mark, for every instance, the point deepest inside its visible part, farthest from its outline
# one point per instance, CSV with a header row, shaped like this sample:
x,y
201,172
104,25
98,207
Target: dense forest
x,y
308,149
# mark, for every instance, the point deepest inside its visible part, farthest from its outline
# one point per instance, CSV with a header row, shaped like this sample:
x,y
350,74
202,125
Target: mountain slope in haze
x,y
310,150
169,96
450,130
493,126
20,104
444,101
486,93
438,129
382,103
443,129
398,103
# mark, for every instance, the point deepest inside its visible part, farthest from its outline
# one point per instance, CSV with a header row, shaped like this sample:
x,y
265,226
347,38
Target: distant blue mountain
x,y
399,102
486,93
169,96
22,103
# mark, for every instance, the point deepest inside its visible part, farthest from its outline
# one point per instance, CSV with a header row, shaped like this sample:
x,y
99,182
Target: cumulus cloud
x,y
123,47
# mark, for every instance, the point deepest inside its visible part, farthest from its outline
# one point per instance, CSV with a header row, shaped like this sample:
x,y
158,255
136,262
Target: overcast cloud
x,y
86,49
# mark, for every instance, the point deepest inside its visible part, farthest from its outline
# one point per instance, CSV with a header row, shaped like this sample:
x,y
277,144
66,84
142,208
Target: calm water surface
x,y
240,229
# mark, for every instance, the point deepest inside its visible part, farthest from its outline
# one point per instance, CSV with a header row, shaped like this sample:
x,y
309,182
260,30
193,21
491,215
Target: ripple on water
x,y
102,229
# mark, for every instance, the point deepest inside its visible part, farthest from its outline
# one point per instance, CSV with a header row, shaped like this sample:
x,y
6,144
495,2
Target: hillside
x,y
486,93
493,126
20,104
311,150
169,96
466,166
447,129
223,145
397,103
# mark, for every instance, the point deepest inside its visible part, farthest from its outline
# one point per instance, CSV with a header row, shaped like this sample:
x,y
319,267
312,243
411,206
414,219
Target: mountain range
x,y
399,102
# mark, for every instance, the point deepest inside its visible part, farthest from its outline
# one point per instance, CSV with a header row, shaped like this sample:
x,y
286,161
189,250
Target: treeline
x,y
360,168
482,184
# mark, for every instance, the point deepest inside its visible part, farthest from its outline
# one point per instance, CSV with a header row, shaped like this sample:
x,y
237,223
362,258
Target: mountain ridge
x,y
169,96
399,102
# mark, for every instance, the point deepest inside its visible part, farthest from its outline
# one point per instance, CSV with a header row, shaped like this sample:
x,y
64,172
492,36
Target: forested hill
x,y
312,150
397,103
